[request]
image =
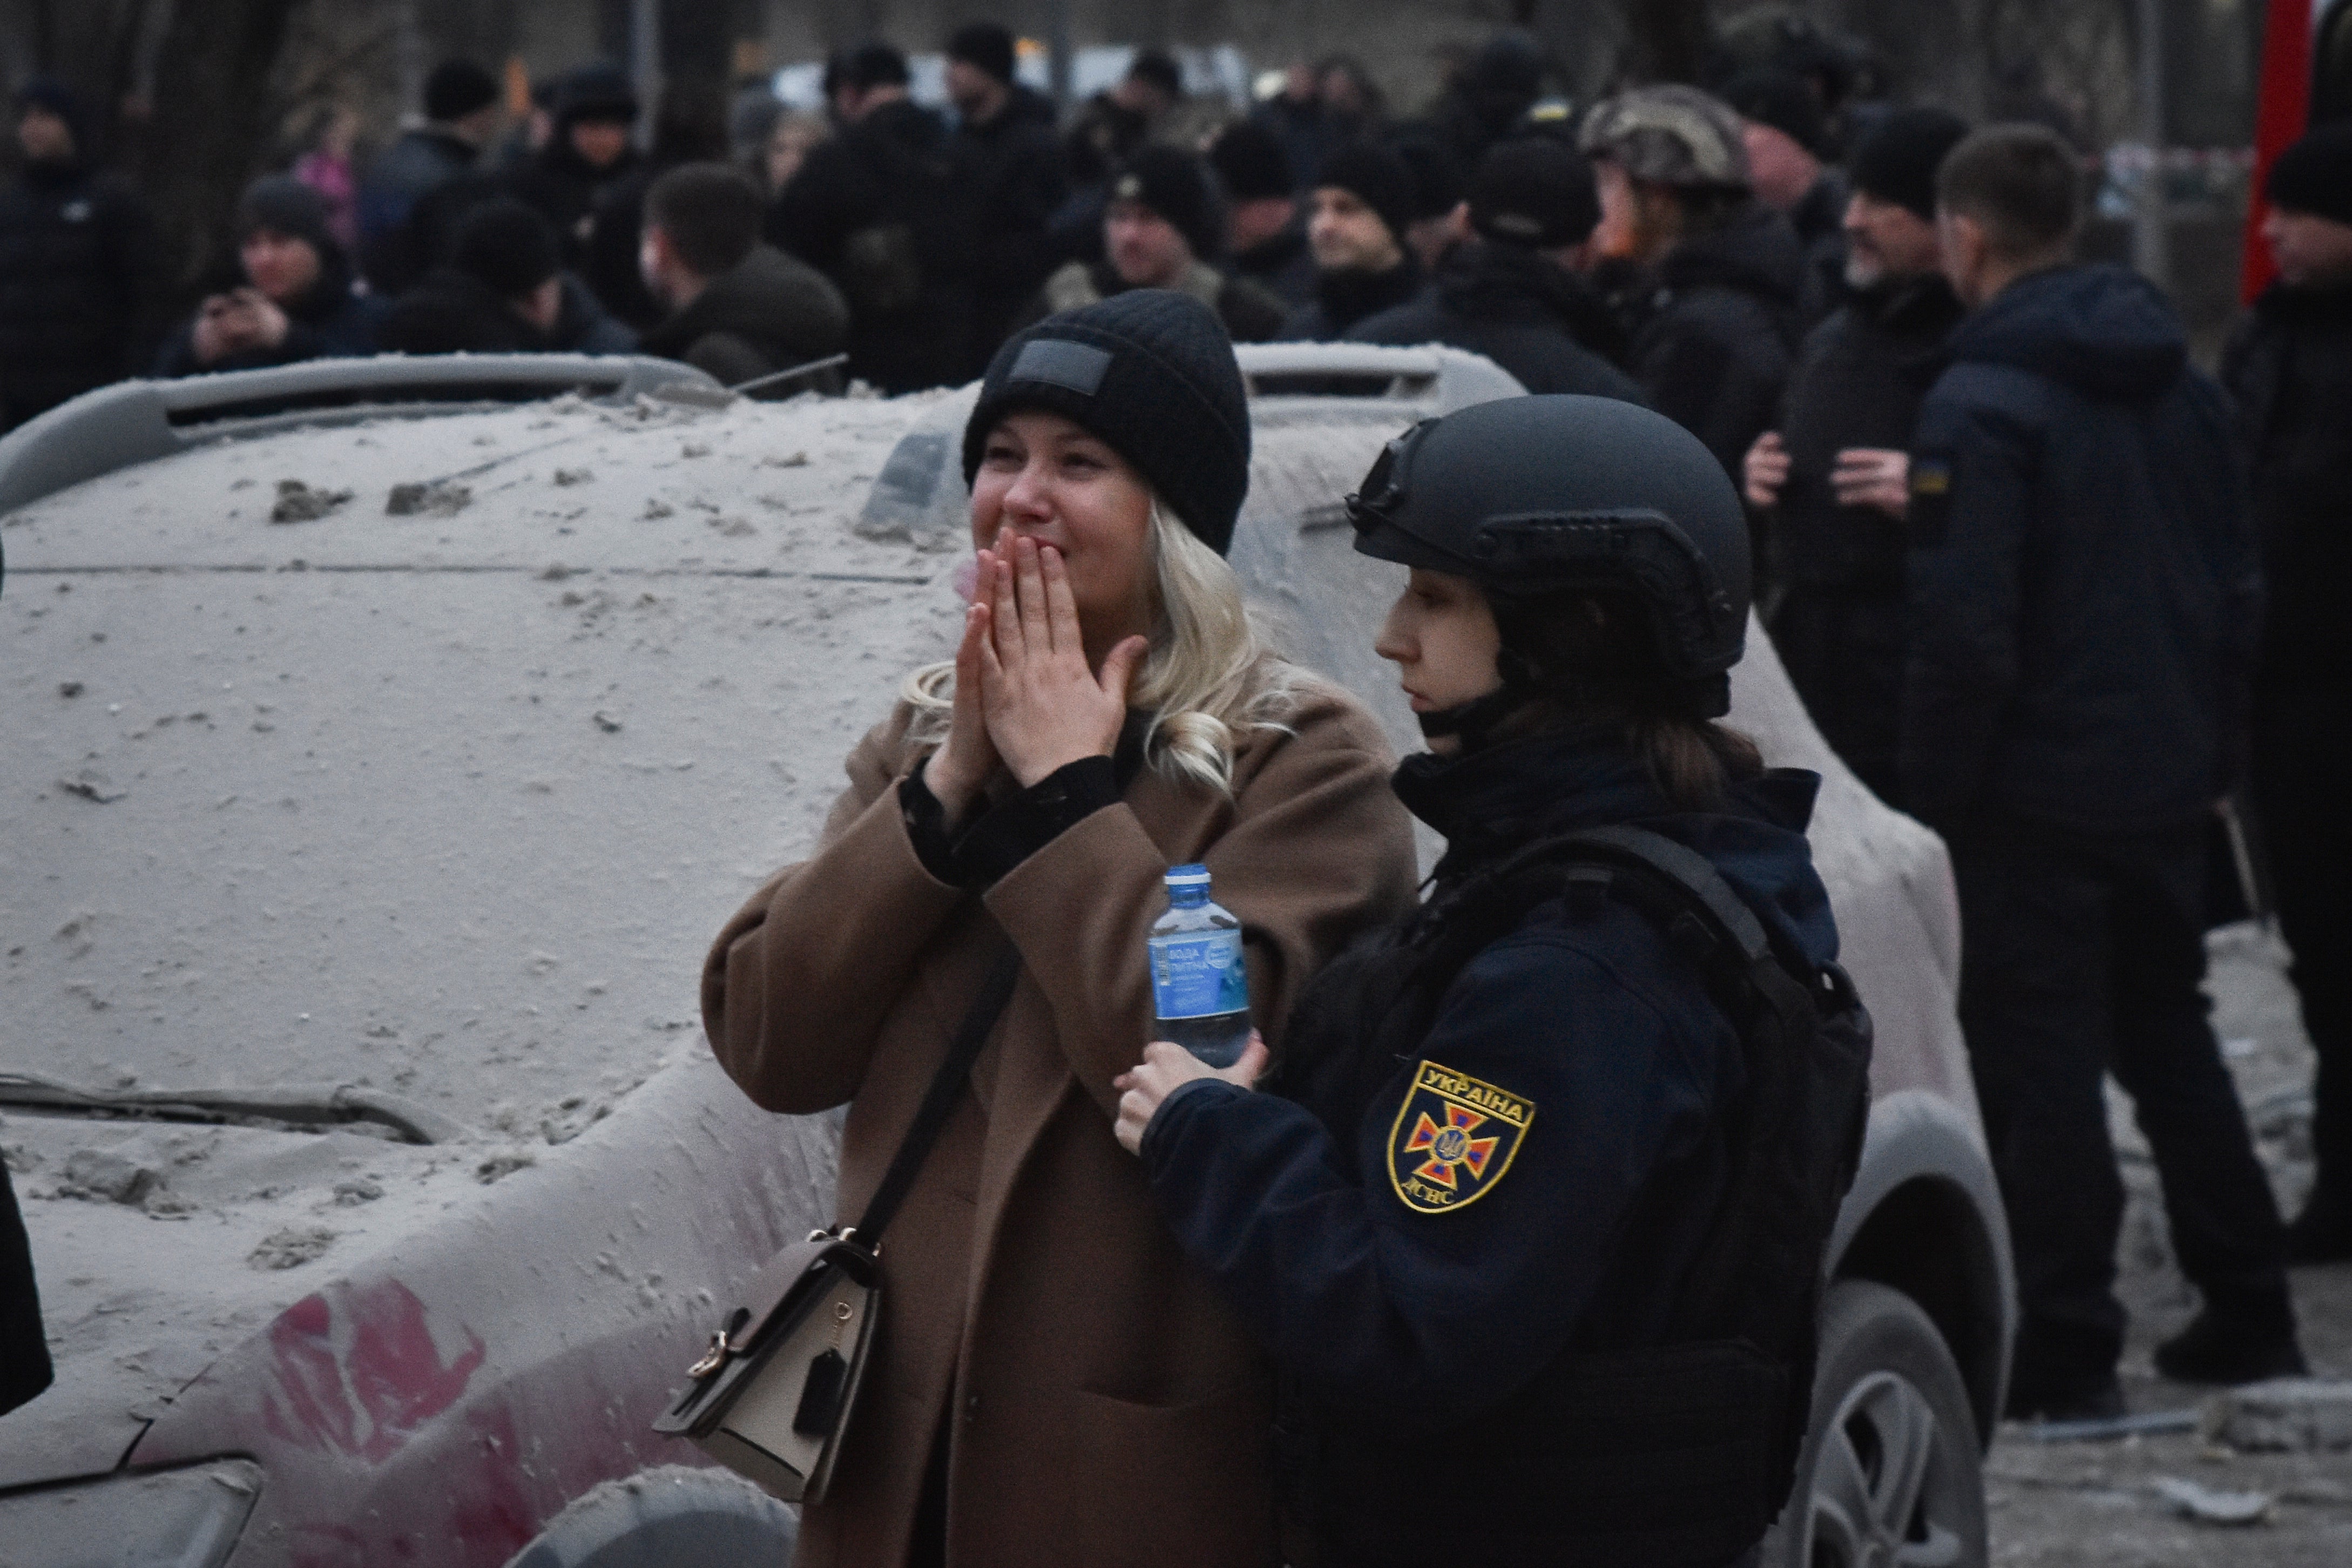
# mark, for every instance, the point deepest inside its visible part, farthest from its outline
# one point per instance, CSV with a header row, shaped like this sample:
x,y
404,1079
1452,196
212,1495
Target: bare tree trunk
x,y
210,89
1668,39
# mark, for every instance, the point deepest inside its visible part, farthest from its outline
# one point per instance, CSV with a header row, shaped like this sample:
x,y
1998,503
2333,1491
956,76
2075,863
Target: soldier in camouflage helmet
x,y
1707,275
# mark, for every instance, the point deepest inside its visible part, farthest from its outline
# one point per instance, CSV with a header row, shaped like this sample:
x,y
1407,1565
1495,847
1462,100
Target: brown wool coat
x,y
1107,1408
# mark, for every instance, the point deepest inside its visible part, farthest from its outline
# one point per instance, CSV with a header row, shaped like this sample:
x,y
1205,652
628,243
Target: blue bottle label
x,y
1199,974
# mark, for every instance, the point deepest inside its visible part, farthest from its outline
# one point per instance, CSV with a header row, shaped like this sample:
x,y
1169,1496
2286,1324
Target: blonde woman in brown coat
x,y
1053,1382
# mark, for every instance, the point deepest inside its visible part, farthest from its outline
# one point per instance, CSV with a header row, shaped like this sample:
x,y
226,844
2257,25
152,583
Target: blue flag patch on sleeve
x,y
1454,1137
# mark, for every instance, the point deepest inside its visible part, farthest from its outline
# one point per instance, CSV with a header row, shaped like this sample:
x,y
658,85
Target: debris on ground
x,y
2210,1505
433,498
499,1166
90,786
574,475
297,502
69,688
2288,1416
2108,1429
101,1177
606,723
290,1248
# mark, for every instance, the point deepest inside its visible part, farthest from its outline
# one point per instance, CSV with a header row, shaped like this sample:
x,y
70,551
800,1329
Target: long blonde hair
x,y
1210,676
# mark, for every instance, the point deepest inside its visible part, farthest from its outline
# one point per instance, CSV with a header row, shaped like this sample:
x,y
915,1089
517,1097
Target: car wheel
x,y
1891,1475
673,1517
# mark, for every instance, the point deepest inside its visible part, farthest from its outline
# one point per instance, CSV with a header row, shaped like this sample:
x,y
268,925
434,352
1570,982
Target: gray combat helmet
x,y
1670,134
1542,499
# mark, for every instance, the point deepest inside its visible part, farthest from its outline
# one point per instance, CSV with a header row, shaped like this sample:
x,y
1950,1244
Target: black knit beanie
x,y
506,245
1897,161
987,45
1537,192
2315,174
1152,374
1175,184
284,205
1250,163
1439,183
457,88
1374,176
1783,100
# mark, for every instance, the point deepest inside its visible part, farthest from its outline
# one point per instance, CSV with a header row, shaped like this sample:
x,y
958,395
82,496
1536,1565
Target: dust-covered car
x,y
386,742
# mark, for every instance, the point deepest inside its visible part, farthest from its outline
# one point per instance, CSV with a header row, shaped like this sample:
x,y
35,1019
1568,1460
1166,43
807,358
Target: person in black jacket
x,y
1512,293
879,210
461,117
1715,302
1832,482
296,299
1787,137
1356,228
76,264
1484,1219
2084,596
739,308
589,152
1266,229
503,291
2290,365
1008,159
689,127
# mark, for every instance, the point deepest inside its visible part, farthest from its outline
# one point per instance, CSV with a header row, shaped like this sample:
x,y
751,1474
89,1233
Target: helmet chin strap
x,y
1475,721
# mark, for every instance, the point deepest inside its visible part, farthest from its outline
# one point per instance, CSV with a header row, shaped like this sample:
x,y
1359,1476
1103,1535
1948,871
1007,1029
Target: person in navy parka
x,y
1429,1226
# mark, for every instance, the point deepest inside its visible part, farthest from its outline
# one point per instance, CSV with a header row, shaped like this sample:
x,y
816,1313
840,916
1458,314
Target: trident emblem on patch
x,y
1453,1138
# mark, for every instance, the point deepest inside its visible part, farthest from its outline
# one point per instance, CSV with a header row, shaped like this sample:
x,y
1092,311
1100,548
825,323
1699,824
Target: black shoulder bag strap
x,y
939,1101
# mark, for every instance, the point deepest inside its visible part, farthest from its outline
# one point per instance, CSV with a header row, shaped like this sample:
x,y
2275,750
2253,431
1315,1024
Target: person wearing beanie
x,y
503,291
1008,158
1832,477
883,211
77,289
1161,226
1513,290
592,149
462,111
1263,220
1363,205
1708,278
1110,708
2289,364
738,309
295,297
1439,220
1787,137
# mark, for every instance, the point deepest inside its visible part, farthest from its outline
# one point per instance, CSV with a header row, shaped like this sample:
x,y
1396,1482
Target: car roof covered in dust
x,y
445,803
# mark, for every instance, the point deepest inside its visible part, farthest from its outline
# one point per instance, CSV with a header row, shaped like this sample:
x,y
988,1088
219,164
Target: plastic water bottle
x,y
1200,986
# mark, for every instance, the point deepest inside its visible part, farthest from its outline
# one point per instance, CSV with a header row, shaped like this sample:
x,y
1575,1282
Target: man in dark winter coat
x,y
76,264
2084,597
1008,160
2290,364
1483,105
689,127
880,211
296,299
1362,207
589,152
1268,231
1834,479
461,116
1787,138
1163,222
1511,293
504,291
738,309
1715,311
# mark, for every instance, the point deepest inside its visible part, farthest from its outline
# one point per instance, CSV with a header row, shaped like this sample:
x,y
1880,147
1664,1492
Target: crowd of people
x,y
1948,436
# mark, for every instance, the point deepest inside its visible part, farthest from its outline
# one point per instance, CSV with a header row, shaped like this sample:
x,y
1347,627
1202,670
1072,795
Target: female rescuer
x,y
1053,1381
1534,1226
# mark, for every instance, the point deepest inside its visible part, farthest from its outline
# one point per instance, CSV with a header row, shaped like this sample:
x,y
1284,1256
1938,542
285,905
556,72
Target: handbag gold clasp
x,y
715,1357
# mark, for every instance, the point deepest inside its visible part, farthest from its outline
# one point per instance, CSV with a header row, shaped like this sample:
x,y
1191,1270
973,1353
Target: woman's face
x,y
1043,477
1442,636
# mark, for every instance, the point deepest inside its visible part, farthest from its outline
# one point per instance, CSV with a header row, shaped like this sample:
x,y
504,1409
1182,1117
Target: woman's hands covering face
x,y
1045,707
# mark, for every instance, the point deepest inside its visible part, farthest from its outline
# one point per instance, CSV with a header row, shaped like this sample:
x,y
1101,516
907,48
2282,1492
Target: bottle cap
x,y
1188,876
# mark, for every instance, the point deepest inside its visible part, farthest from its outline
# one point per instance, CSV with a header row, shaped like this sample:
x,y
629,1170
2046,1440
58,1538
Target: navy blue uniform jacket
x,y
2084,593
1590,1020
